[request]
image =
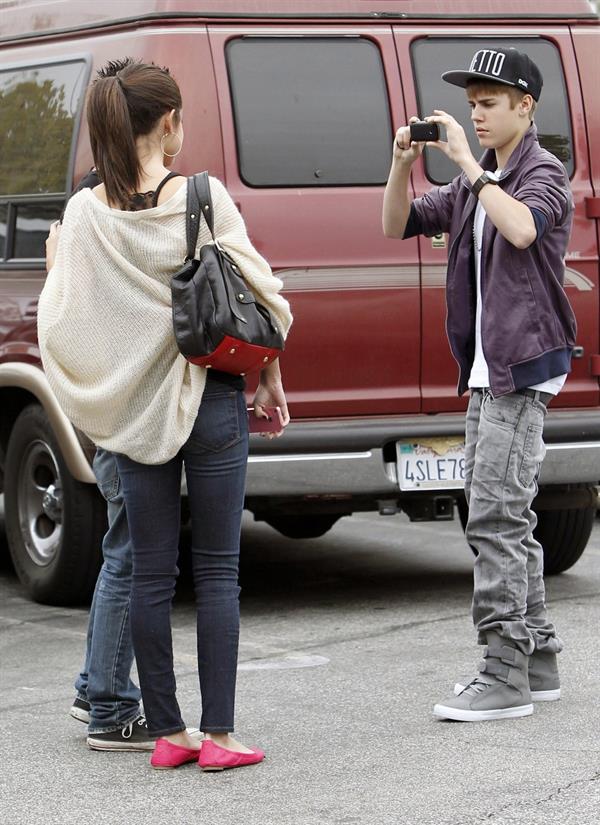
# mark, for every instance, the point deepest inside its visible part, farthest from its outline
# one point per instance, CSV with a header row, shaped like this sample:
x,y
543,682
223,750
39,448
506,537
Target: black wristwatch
x,y
481,182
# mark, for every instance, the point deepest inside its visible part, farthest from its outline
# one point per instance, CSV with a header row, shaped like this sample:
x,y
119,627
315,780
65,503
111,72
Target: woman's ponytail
x,y
124,102
112,139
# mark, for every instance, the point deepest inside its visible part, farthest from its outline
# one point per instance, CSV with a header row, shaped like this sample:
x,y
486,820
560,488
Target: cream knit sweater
x,y
105,326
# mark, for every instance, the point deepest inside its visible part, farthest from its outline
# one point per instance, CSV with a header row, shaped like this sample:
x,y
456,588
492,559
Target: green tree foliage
x,y
35,137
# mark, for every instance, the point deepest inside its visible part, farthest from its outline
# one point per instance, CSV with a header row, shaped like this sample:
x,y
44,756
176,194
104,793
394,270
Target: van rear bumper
x,y
347,457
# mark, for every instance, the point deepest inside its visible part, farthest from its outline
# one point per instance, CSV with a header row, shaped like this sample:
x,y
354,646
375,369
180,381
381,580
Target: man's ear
x,y
525,105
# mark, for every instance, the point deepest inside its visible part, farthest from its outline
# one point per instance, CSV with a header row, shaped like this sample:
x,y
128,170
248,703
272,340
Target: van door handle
x,y
592,207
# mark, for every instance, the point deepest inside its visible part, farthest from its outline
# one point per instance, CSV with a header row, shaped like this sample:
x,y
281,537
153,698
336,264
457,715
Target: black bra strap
x,y
161,184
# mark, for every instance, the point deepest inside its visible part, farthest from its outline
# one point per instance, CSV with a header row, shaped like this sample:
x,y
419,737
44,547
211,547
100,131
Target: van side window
x,y
3,228
39,112
309,111
431,56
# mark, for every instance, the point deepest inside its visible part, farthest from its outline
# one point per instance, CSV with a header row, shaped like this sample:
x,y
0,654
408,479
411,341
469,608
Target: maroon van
x,y
294,107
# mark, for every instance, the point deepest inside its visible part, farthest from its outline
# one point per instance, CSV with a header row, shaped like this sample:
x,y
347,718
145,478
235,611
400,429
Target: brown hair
x,y
515,95
125,101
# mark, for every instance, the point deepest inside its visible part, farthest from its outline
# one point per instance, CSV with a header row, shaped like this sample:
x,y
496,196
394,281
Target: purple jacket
x,y
528,327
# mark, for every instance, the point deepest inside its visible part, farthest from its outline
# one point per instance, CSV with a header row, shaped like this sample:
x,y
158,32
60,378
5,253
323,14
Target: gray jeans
x,y
503,453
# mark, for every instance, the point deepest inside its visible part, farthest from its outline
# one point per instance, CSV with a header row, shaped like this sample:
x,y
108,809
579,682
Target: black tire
x,y
302,526
6,565
54,524
563,534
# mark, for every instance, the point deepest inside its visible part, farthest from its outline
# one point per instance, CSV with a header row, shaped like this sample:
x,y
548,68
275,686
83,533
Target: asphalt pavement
x,y
347,643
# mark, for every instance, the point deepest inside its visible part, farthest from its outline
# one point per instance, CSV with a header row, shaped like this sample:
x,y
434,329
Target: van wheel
x,y
54,524
563,533
302,526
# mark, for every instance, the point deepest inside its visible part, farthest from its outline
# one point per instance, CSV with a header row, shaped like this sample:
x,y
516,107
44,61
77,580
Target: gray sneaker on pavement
x,y
501,691
544,681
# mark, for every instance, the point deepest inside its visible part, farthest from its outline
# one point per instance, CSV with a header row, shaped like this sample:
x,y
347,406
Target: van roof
x,y
42,18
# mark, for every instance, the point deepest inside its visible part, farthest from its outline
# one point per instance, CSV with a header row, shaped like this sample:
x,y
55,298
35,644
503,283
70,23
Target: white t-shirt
x,y
480,376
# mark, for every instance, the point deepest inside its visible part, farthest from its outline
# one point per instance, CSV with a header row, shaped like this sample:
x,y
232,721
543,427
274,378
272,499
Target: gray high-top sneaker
x,y
544,681
501,691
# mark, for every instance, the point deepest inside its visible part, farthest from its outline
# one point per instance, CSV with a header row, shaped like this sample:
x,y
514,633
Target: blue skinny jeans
x,y
215,458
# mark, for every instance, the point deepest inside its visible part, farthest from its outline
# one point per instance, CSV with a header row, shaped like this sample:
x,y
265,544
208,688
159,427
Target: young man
x,y
107,700
512,331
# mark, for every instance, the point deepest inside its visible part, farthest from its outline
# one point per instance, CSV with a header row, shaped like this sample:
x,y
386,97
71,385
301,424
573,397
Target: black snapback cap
x,y
507,66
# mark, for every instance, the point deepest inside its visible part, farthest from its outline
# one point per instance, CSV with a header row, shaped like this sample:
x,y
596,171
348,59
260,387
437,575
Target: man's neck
x,y
503,153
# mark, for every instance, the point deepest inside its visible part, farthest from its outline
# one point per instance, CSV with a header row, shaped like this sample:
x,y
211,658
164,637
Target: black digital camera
x,y
422,130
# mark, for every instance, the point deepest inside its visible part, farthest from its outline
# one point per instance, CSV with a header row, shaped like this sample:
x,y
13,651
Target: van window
x,y
310,111
38,112
3,228
31,228
432,56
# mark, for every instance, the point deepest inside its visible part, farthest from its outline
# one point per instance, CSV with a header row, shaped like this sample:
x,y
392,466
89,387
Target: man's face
x,y
496,123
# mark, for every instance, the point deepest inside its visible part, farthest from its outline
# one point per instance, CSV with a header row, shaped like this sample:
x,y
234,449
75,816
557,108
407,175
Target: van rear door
x,y
586,41
307,120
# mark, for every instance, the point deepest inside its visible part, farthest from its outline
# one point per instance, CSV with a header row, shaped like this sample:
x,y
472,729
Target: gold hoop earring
x,y
167,135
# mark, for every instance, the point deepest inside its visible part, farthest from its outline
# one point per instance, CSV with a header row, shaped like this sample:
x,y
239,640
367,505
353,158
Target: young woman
x,y
109,352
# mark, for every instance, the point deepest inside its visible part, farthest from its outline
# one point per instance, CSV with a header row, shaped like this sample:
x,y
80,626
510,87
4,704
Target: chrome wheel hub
x,y
40,502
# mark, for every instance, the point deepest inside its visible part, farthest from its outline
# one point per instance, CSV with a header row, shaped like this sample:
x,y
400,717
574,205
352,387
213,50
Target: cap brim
x,y
461,78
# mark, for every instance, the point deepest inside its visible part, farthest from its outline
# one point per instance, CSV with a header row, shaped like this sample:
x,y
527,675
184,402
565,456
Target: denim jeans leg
x,y
508,455
153,496
536,617
105,680
81,682
471,429
216,457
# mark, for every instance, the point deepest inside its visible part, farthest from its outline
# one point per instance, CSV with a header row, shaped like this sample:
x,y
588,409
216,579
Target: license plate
x,y
431,464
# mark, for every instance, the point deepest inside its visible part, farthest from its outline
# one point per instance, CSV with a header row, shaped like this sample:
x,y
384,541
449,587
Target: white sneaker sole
x,y
545,695
116,747
536,695
460,715
80,715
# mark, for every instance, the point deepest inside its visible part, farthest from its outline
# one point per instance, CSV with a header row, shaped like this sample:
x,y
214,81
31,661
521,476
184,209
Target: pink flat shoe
x,y
214,758
168,755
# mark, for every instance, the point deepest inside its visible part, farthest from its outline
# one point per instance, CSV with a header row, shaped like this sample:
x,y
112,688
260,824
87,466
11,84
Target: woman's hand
x,y
51,244
269,393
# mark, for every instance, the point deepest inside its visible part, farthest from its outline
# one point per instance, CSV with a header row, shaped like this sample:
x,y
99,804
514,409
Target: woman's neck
x,y
152,164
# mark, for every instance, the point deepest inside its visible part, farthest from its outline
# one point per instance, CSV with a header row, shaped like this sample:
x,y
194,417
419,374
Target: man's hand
x,y
456,147
406,152
51,244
